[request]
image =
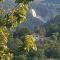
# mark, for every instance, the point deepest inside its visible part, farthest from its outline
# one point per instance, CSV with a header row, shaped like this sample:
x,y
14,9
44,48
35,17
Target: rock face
x,y
44,8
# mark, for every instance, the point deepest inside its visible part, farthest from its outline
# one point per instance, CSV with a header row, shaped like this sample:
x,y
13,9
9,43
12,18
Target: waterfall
x,y
37,16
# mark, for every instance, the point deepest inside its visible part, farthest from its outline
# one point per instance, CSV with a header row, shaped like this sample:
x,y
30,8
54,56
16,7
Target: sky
x,y
10,3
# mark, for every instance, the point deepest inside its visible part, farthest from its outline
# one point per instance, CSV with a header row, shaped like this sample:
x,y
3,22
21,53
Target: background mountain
x,y
47,9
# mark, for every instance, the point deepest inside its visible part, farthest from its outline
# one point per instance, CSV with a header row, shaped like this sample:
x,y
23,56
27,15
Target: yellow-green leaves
x,y
5,55
11,20
2,0
29,43
1,29
23,9
20,12
15,17
4,37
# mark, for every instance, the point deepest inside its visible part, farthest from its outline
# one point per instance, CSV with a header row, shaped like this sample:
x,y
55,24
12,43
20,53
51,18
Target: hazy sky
x,y
10,3
50,1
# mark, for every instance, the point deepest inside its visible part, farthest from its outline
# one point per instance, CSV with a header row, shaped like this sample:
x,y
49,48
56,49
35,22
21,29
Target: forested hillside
x,y
23,33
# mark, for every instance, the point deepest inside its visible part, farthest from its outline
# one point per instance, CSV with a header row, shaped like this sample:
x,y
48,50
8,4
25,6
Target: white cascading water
x,y
37,16
33,13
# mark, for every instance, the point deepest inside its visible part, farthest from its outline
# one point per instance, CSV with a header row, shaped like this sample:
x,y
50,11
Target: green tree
x,y
8,22
23,31
24,1
51,48
40,30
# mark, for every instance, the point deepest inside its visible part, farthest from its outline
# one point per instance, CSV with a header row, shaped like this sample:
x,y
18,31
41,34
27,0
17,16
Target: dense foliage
x,y
48,48
9,21
21,44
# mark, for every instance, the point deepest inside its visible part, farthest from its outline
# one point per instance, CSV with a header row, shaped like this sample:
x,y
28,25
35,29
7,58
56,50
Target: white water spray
x,y
37,16
33,13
